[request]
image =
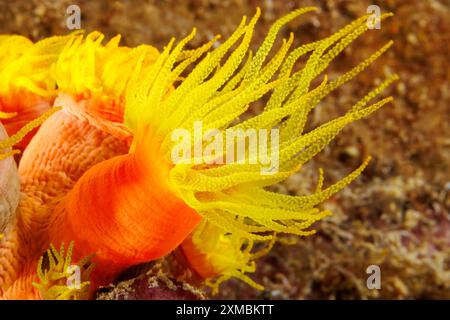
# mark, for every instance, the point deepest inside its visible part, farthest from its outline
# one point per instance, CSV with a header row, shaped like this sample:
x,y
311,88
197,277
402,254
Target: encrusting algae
x,y
99,173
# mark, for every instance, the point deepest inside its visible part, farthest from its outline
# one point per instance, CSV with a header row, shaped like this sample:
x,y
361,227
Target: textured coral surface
x,y
396,214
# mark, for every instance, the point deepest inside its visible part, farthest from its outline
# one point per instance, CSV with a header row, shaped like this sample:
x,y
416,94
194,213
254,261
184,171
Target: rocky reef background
x,y
396,215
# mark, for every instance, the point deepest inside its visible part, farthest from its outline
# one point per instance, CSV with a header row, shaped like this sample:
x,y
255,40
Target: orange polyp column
x,y
124,211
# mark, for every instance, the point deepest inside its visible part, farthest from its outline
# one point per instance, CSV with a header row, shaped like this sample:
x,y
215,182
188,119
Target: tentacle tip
x,y
313,8
327,213
7,115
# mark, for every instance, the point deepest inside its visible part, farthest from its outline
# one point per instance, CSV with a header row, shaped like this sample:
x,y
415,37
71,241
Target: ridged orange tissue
x,y
139,218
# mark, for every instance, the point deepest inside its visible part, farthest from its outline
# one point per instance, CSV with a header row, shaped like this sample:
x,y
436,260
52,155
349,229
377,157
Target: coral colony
x,y
136,157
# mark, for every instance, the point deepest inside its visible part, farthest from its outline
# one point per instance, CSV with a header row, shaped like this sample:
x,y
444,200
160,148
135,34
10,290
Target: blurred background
x,y
396,215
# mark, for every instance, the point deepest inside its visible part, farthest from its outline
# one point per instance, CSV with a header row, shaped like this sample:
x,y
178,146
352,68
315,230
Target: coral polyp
x,y
58,281
100,170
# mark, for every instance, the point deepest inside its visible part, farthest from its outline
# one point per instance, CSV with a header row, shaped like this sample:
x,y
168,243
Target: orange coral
x,y
99,172
26,88
143,221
